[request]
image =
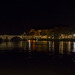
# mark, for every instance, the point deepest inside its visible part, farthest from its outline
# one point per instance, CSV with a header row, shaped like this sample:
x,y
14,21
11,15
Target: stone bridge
x,y
27,37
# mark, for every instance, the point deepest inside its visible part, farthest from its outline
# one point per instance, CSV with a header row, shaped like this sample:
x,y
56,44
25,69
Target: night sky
x,y
17,16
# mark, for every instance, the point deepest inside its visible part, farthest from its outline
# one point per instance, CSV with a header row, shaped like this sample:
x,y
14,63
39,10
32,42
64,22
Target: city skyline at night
x,y
37,37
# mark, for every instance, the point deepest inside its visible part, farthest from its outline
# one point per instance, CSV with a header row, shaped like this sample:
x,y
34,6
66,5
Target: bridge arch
x,y
16,38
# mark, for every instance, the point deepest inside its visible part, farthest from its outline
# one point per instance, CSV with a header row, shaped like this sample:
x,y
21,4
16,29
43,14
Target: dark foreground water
x,y
37,58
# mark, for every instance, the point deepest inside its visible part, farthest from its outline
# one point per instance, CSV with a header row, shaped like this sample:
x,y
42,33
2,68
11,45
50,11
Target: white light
x,y
48,37
73,34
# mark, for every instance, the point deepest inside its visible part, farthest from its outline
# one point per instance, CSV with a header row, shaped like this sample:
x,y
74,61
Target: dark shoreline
x,y
38,40
56,39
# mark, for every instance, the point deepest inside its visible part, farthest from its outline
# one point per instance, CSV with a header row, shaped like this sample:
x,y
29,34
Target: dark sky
x,y
17,16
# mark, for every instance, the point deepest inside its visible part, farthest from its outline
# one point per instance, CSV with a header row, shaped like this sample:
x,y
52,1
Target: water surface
x,y
60,47
37,58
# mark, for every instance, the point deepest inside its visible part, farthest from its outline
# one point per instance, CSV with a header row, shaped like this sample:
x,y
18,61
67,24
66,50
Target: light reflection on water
x,y
73,46
45,46
61,47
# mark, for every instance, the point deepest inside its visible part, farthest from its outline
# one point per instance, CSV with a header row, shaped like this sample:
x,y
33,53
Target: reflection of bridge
x,y
9,37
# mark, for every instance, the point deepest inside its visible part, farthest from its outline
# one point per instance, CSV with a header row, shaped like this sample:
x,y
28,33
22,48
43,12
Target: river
x,y
34,57
60,47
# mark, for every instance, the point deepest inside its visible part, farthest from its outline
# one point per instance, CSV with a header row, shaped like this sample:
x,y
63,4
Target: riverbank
x,y
56,39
